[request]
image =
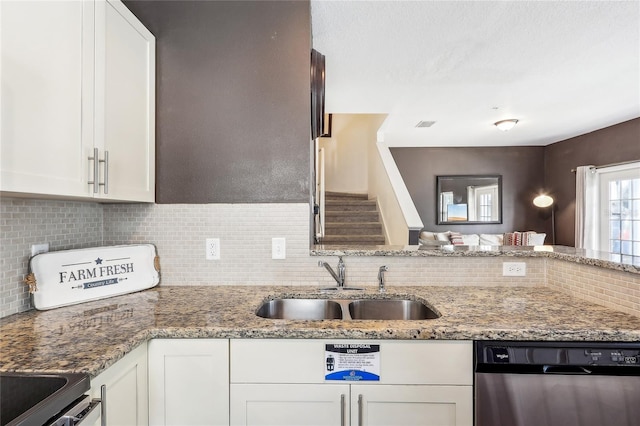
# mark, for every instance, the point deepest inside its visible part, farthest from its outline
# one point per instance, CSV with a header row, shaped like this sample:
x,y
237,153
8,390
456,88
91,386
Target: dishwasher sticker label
x,y
352,362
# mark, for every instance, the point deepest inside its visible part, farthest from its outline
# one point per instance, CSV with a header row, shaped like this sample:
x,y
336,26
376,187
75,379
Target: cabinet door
x,y
188,382
125,103
125,383
394,405
289,405
47,89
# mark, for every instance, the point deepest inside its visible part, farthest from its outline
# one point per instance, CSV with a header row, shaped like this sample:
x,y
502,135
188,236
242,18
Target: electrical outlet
x,y
278,248
212,249
39,248
514,269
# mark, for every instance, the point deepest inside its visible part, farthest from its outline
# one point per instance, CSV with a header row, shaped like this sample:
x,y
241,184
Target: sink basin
x,y
390,309
32,398
300,309
346,309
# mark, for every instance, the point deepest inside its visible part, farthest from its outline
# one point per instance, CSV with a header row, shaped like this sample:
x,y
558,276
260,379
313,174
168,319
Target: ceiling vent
x,y
425,124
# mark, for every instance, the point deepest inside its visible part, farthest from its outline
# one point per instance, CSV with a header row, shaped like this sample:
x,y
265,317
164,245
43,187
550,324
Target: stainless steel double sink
x,y
346,309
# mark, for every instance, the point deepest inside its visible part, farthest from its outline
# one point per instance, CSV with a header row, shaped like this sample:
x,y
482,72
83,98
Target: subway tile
x,y
245,230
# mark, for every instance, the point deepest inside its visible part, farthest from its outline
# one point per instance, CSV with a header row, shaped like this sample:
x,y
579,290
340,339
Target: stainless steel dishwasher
x,y
556,384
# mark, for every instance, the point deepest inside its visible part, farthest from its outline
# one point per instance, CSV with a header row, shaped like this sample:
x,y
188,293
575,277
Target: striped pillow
x,y
519,238
456,239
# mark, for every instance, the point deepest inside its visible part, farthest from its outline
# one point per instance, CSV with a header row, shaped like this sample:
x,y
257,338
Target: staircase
x,y
351,219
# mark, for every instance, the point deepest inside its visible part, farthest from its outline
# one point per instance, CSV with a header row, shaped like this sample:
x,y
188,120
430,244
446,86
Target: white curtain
x,y
586,208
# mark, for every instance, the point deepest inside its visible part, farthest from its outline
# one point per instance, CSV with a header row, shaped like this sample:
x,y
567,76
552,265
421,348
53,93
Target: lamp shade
x,y
542,200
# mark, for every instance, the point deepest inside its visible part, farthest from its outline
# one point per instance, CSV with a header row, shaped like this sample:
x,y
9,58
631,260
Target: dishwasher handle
x,y
565,369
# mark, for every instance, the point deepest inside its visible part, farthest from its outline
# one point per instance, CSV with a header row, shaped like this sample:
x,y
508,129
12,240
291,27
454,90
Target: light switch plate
x,y
278,248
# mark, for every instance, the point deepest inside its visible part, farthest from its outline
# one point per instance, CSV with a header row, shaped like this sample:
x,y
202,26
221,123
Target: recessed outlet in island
x,y
514,269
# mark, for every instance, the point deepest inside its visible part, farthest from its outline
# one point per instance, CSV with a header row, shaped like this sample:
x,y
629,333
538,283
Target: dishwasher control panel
x,y
612,356
558,353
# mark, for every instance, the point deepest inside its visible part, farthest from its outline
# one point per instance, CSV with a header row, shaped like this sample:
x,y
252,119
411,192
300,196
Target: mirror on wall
x,y
469,199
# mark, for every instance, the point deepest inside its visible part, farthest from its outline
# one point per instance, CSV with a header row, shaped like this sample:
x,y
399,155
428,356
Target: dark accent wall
x,y
233,100
613,144
522,178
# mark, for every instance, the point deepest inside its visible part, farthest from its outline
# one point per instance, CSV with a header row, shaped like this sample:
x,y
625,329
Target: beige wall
x,y
346,152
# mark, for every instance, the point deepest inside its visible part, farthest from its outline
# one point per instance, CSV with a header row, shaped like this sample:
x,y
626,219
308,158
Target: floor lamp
x,y
544,201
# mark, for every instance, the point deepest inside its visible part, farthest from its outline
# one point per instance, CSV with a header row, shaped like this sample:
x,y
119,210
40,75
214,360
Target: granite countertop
x,y
570,254
91,336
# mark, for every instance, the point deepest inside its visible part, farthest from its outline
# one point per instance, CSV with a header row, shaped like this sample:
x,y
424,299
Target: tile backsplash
x,y
62,224
245,232
613,289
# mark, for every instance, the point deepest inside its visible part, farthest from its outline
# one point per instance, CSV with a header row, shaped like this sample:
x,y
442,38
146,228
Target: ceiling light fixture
x,y
425,123
506,125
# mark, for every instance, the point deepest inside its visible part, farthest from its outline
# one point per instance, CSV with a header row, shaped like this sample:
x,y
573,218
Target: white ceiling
x,y
563,68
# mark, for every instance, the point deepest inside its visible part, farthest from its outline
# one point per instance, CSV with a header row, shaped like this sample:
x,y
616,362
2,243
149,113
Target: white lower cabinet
x,y
189,382
289,405
281,382
123,387
425,405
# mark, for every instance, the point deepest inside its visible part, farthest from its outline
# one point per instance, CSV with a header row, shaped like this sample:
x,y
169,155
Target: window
x,y
619,212
446,199
485,207
483,203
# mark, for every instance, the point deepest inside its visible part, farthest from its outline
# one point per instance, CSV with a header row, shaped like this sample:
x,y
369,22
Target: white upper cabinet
x,y
78,79
125,103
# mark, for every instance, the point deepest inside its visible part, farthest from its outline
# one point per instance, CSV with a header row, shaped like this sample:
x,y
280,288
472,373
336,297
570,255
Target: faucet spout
x,y
339,277
381,272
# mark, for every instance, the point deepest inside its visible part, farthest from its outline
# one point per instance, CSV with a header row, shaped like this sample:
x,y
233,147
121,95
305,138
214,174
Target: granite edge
x,y
552,252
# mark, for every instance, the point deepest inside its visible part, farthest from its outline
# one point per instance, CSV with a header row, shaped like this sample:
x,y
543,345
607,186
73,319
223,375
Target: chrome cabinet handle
x,y
342,421
105,184
360,410
103,406
96,170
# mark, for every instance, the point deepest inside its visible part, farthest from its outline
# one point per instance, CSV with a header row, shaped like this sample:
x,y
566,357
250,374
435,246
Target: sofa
x,y
516,238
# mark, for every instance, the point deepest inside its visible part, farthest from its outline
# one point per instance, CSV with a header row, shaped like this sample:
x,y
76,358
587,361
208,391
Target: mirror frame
x,y
462,179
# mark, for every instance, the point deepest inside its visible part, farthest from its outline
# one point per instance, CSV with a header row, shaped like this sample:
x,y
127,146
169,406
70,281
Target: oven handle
x,y
565,369
86,411
92,415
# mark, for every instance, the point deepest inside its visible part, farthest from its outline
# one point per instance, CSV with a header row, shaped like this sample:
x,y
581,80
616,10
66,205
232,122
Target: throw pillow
x,y
491,239
512,239
456,239
537,239
428,236
443,236
471,239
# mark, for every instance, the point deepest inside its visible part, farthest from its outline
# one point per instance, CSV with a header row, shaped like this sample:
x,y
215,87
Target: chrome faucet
x,y
339,277
381,272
